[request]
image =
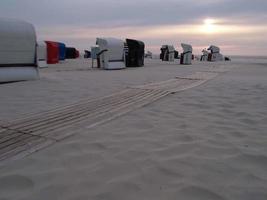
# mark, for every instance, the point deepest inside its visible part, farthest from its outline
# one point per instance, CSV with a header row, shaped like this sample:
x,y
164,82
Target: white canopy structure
x,y
17,51
186,56
41,54
111,55
205,55
215,54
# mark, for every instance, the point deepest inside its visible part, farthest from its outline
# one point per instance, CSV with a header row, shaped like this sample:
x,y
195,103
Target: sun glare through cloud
x,y
209,26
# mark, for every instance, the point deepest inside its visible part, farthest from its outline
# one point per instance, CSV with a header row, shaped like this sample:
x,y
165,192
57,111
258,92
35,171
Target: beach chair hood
x,y
214,49
187,48
18,48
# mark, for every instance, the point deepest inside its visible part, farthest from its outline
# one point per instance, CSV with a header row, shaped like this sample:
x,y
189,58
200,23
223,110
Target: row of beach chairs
x,y
21,55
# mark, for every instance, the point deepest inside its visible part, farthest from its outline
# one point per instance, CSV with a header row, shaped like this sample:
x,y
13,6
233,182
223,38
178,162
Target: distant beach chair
x,y
52,52
148,54
134,55
62,51
215,54
167,53
204,56
18,51
186,56
41,54
71,53
111,54
87,54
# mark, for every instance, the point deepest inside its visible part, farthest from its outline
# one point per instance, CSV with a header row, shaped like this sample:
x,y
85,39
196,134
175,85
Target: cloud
x,y
120,13
155,21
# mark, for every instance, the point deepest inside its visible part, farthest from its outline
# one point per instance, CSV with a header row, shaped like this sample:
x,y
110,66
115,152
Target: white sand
x,y
205,143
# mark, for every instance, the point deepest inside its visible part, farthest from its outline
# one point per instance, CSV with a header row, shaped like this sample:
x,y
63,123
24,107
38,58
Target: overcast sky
x,y
239,27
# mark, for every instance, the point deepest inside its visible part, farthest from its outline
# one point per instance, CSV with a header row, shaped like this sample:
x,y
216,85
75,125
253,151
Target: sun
x,y
209,26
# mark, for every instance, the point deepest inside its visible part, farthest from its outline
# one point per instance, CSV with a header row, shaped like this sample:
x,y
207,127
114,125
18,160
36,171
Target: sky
x,y
238,27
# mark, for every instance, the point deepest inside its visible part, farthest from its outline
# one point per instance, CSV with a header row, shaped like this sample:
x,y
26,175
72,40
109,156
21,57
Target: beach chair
x,y
186,56
204,56
71,53
52,52
111,53
62,51
41,54
167,53
18,51
134,53
148,54
215,54
87,54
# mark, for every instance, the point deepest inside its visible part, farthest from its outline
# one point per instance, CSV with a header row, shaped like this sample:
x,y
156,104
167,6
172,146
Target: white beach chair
x,y
186,56
215,54
17,51
167,53
111,53
42,54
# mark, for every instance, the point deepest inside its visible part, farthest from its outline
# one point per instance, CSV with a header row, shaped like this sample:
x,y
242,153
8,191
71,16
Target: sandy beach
x,y
205,143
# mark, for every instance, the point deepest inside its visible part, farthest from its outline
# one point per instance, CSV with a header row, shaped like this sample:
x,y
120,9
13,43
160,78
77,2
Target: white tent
x,y
186,56
41,54
111,55
17,51
215,54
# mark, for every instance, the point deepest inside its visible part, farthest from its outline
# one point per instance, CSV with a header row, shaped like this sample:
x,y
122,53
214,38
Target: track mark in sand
x,y
23,136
